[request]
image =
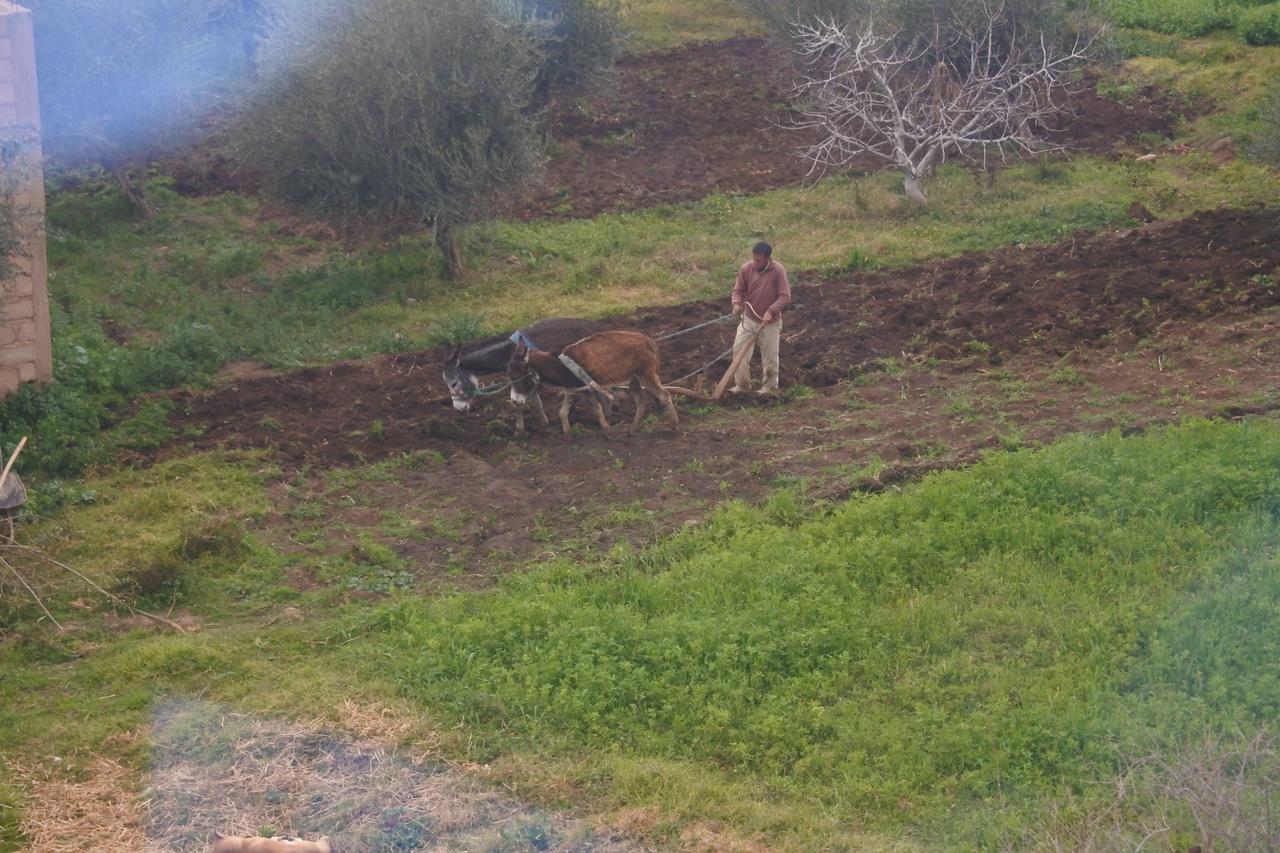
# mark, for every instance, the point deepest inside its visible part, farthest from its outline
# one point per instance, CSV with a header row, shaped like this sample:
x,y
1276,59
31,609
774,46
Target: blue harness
x,y
518,337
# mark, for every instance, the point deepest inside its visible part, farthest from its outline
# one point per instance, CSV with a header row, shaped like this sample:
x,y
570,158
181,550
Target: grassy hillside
x,y
970,661
936,664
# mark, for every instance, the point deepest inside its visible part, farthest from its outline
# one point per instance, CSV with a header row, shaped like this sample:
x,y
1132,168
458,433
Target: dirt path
x,y
886,375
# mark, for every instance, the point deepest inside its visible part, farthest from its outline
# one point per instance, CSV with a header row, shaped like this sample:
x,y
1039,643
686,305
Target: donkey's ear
x,y
455,355
522,351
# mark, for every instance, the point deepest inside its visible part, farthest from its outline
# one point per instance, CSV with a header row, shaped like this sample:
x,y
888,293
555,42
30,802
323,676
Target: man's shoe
x,y
739,389
766,392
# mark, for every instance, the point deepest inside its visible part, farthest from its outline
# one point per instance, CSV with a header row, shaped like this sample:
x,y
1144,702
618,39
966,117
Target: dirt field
x,y
885,375
678,125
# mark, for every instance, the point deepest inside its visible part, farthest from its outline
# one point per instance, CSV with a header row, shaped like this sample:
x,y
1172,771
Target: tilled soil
x,y
886,376
679,125
1092,291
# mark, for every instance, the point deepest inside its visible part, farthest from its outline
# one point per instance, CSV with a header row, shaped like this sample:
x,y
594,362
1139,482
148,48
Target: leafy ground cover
x,y
935,666
899,659
1256,21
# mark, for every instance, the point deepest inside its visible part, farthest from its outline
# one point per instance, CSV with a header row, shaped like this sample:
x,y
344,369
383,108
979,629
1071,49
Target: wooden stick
x,y
23,581
733,365
12,458
115,599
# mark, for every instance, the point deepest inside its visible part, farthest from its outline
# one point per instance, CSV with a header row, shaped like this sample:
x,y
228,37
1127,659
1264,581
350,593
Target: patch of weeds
x,y
798,392
854,473
854,402
533,834
147,429
540,531
1116,88
961,407
456,328
856,261
866,373
1050,171
1013,440
1067,375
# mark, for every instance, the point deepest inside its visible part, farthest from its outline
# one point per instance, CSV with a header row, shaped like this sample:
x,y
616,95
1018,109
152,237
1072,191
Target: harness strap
x,y
578,371
518,337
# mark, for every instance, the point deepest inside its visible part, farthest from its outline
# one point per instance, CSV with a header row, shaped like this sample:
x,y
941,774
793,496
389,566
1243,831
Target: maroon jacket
x,y
766,290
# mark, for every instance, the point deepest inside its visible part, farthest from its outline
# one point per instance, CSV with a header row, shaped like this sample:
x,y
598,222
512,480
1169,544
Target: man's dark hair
x,y
762,248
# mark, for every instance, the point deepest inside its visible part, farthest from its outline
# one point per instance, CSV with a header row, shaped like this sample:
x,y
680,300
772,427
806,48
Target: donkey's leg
x,y
566,403
520,431
641,398
596,407
542,413
649,379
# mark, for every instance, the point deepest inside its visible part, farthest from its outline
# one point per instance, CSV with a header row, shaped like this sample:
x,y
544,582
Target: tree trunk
x,y
448,246
135,194
914,191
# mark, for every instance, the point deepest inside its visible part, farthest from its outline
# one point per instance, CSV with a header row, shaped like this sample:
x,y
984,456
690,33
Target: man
x,y
759,295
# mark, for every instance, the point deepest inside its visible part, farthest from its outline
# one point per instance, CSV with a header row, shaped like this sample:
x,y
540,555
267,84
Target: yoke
x,y
584,377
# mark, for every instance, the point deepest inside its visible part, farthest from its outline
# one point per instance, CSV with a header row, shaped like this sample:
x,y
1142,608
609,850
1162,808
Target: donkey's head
x,y
524,380
462,383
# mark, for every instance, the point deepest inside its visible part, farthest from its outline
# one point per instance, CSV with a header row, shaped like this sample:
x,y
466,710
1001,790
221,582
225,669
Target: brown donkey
x,y
610,359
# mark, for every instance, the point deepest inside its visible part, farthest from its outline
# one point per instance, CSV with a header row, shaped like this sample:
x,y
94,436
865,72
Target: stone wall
x,y
24,297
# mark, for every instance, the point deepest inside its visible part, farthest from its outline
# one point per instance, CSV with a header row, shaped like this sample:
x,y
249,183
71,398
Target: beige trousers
x,y
769,341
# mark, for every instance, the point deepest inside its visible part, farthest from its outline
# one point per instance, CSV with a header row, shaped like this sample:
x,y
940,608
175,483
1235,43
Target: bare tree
x,y
976,87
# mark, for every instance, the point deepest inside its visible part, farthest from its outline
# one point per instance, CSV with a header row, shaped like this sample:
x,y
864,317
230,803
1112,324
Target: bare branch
x,y
864,92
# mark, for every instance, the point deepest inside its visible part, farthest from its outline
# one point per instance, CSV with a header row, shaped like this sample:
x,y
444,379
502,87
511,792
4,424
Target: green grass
x,y
665,24
939,664
962,646
1190,18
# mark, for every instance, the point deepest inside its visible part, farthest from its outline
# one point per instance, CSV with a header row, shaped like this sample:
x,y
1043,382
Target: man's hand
x,y
767,318
737,309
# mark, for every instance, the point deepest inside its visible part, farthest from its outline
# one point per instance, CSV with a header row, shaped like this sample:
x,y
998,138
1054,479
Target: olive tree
x,y
581,39
119,78
394,108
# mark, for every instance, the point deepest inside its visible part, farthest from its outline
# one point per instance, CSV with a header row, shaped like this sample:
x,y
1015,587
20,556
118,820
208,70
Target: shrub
x,y
1267,146
1261,24
188,353
394,108
1176,17
580,39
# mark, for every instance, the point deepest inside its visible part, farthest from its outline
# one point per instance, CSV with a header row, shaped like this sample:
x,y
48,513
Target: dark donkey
x,y
491,355
610,359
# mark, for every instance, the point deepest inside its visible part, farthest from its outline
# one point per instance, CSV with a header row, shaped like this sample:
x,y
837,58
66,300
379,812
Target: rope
x,y
499,387
722,319
729,352
495,388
